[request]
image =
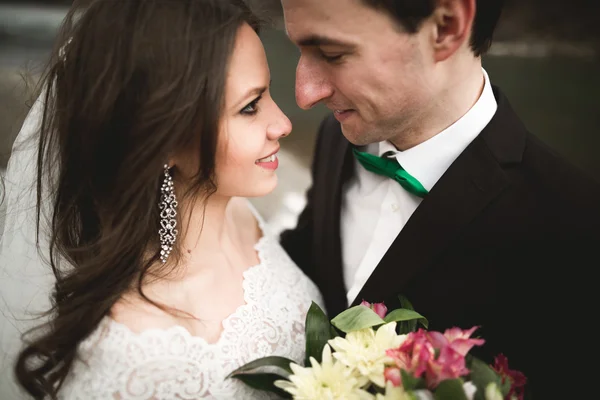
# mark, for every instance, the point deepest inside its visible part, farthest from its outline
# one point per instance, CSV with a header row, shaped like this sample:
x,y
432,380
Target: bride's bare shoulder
x,y
139,315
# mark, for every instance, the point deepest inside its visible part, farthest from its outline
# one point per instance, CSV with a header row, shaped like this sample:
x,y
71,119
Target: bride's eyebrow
x,y
256,91
251,93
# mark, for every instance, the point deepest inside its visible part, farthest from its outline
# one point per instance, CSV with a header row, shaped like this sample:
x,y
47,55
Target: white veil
x,y
26,280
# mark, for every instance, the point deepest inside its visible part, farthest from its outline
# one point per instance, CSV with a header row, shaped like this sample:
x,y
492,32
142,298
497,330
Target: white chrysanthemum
x,y
330,380
470,390
492,392
364,351
393,393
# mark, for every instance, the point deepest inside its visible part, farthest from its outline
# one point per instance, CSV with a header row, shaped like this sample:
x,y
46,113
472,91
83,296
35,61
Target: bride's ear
x,y
186,163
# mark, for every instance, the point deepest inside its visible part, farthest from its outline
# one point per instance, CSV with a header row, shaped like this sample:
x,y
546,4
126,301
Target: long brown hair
x,y
129,84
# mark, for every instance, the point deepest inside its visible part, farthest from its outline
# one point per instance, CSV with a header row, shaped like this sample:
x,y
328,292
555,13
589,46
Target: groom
x,y
427,184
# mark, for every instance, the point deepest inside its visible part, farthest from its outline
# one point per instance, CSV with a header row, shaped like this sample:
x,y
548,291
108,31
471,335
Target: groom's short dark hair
x,y
410,14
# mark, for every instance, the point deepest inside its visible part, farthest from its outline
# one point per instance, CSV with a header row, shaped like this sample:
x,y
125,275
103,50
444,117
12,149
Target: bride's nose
x,y
280,126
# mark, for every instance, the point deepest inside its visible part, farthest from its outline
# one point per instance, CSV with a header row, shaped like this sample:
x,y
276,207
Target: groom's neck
x,y
457,86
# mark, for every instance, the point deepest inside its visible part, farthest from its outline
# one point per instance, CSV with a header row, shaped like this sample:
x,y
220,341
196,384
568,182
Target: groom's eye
x,y
331,57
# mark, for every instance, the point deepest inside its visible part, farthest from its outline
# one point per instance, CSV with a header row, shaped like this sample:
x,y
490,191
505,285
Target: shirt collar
x,y
428,161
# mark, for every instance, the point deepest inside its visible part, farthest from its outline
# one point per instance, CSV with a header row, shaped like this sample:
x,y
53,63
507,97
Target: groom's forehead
x,y
324,10
318,20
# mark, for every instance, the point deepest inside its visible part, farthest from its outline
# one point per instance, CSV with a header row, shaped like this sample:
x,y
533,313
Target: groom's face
x,y
361,64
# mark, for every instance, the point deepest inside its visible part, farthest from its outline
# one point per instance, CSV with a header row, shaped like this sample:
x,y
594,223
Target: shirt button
x,y
395,207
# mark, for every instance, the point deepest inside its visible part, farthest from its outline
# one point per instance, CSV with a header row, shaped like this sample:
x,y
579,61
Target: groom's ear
x,y
453,23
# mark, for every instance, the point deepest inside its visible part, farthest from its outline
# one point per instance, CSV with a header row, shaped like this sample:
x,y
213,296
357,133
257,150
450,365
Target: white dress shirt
x,y
376,208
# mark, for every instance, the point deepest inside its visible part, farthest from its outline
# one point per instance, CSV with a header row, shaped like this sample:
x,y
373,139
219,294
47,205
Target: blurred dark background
x,y
546,57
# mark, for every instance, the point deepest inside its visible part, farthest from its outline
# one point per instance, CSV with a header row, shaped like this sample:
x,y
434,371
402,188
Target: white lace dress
x,y
116,363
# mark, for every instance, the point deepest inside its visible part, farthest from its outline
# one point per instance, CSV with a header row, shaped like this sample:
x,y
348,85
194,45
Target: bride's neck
x,y
204,225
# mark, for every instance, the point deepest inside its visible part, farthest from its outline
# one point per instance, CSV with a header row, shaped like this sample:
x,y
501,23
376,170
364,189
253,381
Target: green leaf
x,y
280,364
264,382
402,314
405,303
450,389
333,332
505,387
263,372
356,318
410,382
407,326
481,375
318,332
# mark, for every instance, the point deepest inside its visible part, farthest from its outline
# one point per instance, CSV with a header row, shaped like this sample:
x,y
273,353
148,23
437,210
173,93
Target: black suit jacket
x,y
506,240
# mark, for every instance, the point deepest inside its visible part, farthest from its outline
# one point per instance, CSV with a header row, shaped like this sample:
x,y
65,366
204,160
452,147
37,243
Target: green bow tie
x,y
390,168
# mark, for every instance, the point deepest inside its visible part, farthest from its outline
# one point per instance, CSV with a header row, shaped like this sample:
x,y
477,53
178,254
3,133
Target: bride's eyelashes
x,y
252,107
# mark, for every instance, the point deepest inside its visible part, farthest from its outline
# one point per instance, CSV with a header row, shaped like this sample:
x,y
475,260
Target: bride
x,y
156,124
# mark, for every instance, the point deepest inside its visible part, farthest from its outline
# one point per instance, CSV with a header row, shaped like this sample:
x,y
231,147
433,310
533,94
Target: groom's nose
x,y
312,85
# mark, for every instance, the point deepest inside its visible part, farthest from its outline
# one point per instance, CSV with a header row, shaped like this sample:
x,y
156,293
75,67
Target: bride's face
x,y
251,125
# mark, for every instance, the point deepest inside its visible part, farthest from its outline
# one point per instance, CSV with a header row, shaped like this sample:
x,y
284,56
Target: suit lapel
x,y
329,273
474,180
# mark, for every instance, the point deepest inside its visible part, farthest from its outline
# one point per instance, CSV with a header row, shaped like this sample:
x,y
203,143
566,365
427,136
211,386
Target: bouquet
x,y
367,353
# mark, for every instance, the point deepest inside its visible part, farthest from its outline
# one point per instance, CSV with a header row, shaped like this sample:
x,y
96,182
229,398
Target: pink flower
x,y
414,354
392,374
458,339
450,364
516,378
401,359
421,351
379,308
433,355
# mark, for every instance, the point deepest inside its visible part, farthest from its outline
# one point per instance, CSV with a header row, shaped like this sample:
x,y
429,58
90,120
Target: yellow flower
x,y
364,352
393,393
329,380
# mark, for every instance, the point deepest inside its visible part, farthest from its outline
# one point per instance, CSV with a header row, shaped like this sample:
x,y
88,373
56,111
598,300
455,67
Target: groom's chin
x,y
355,133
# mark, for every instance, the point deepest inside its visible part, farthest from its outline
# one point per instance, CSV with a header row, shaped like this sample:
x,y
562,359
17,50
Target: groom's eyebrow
x,y
318,40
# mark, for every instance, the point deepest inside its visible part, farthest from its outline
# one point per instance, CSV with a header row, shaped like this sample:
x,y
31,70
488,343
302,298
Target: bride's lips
x,y
270,162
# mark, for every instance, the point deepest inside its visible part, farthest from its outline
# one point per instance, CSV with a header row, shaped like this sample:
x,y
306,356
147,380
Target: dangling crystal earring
x,y
168,214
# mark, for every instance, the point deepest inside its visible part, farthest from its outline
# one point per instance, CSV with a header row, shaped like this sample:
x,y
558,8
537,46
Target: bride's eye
x,y
251,108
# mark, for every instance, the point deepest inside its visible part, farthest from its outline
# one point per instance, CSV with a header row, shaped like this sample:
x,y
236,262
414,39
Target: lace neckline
x,y
249,300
